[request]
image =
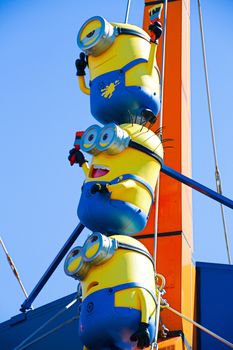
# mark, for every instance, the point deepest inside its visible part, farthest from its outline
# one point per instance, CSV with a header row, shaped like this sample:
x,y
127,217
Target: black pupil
x,y
90,137
105,137
94,239
89,35
75,252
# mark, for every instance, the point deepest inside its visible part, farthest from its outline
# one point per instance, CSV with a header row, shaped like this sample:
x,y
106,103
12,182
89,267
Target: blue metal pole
x,y
28,302
197,186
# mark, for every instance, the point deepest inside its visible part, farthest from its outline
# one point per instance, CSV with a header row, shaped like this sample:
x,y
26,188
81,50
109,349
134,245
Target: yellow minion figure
x,y
118,190
124,78
118,292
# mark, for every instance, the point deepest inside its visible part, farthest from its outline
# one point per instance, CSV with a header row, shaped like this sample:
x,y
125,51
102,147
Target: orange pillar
x,y
175,244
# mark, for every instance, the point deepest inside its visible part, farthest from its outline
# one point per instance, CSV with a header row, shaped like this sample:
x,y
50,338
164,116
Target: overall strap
x,y
132,64
135,178
132,285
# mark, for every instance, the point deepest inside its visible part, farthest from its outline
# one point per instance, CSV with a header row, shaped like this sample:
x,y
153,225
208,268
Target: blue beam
x,y
28,302
197,186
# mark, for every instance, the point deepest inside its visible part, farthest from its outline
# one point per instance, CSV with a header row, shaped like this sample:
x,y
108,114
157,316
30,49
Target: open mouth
x,y
99,170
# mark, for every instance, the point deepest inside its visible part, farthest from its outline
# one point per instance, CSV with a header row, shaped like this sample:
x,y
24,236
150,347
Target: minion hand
x,y
142,336
77,157
156,31
81,64
99,188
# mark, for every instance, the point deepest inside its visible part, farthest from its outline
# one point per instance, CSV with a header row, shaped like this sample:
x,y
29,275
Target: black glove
x,y
99,188
77,157
157,29
81,64
142,336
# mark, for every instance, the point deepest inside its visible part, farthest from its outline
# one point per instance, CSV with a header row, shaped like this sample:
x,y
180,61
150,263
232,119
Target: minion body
x,y
124,78
118,295
130,177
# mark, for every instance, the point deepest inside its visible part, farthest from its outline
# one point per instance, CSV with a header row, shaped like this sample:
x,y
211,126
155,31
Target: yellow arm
x,y
86,168
152,57
82,85
147,305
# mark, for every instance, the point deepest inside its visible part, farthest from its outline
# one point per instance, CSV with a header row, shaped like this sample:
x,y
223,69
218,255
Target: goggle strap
x,y
132,32
135,249
146,150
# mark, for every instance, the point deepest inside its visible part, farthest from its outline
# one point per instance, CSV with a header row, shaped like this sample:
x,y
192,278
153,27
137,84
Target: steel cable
x,y
217,172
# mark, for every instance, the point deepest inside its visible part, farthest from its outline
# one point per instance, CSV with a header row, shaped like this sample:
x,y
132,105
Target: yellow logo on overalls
x,y
109,89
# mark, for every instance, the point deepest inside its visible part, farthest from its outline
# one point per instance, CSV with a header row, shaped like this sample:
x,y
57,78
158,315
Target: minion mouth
x,y
99,170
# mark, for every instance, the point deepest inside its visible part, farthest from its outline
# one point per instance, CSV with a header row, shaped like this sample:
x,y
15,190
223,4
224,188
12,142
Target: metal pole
x,y
217,172
12,265
127,11
197,186
28,302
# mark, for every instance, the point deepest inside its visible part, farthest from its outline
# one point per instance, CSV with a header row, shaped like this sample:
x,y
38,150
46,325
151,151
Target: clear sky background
x,y
41,107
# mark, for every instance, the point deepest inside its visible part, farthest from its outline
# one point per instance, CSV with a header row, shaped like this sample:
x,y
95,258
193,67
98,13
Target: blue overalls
x,y
103,326
112,100
99,213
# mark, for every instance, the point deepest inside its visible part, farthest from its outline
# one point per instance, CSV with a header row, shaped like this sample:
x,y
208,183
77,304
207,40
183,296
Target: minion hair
x,y
166,140
162,141
158,131
130,117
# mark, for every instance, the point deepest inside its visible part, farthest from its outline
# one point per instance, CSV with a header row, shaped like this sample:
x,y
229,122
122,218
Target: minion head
x,y
97,35
104,262
126,148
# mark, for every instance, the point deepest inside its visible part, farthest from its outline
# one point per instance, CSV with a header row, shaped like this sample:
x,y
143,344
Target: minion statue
x,y
118,190
118,292
124,78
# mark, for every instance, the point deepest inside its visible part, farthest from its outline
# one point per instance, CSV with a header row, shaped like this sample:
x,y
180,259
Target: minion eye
x,y
95,36
105,136
89,35
98,248
89,138
92,247
113,139
73,261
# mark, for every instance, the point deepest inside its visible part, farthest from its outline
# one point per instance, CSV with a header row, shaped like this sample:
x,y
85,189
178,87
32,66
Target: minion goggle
x,y
96,250
97,35
111,139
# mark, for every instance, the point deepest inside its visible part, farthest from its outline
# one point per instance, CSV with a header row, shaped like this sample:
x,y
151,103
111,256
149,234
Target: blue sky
x,y
41,107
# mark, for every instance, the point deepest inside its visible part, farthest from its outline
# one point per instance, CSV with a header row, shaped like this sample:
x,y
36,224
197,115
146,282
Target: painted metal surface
x,y
175,242
15,330
214,304
171,344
